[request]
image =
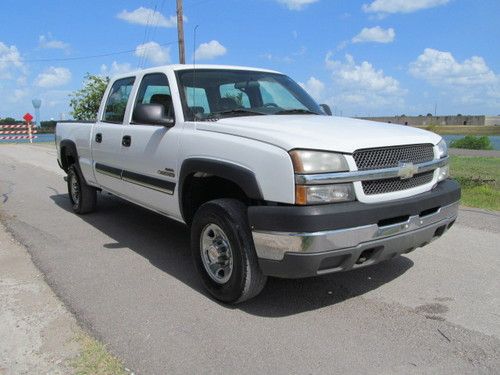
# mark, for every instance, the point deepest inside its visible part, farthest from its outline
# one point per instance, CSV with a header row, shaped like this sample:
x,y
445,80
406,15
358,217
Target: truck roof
x,y
176,67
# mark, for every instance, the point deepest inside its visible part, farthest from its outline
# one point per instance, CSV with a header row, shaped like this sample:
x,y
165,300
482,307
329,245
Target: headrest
x,y
227,104
164,99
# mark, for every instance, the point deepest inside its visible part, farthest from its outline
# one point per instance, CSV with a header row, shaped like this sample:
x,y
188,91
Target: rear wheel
x,y
82,196
223,251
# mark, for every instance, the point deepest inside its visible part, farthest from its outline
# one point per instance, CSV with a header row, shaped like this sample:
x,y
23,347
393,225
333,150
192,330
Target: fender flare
x,y
239,175
69,148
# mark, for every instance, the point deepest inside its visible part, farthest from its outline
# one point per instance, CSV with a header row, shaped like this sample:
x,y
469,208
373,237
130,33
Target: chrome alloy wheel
x,y
216,253
74,188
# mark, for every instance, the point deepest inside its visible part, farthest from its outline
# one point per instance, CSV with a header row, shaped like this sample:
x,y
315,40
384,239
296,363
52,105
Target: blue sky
x,y
368,57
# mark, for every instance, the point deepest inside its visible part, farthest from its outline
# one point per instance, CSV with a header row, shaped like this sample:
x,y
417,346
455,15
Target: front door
x,y
150,159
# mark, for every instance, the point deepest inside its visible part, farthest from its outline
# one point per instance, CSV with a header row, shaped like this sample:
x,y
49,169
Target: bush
x,y
472,143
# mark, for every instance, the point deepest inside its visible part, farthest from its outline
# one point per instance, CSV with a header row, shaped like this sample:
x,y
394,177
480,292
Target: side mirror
x,y
152,114
326,109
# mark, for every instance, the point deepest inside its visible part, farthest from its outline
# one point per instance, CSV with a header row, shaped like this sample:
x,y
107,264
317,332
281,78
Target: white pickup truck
x,y
268,181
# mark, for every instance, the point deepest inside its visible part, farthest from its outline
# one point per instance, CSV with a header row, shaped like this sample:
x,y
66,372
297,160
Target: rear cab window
x,y
116,103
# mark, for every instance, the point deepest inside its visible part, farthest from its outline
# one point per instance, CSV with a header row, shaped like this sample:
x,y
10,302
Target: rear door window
x,y
116,104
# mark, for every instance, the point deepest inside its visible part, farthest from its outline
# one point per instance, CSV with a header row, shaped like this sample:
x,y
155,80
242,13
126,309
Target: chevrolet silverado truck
x,y
269,183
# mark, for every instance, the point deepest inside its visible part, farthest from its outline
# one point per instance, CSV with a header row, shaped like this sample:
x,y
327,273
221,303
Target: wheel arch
x,y
68,154
237,177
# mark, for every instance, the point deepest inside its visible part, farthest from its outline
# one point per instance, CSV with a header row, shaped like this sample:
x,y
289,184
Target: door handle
x,y
126,140
98,137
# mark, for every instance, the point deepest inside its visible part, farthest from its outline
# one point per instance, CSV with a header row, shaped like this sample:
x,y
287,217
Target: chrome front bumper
x,y
272,245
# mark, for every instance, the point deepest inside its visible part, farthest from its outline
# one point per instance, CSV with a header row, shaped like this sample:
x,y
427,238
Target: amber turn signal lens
x,y
300,194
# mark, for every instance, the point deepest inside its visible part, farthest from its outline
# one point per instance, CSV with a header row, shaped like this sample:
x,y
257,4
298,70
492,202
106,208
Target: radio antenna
x,y
194,71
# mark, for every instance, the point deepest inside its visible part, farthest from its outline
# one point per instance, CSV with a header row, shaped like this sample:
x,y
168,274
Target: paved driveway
x,y
127,276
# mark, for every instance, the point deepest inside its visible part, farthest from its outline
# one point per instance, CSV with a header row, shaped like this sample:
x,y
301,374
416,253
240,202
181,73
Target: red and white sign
x,y
27,117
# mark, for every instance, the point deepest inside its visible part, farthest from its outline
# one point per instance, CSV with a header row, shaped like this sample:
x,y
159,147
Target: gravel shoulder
x,y
37,333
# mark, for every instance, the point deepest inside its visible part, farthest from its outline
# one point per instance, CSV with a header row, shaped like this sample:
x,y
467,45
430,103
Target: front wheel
x,y
82,196
223,251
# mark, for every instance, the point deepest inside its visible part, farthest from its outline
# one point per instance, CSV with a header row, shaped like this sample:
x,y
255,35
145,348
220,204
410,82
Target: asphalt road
x,y
127,276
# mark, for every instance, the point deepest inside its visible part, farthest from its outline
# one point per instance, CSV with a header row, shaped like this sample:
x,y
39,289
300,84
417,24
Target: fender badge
x,y
407,170
169,172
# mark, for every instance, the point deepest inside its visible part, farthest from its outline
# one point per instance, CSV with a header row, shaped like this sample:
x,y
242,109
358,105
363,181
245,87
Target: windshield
x,y
210,94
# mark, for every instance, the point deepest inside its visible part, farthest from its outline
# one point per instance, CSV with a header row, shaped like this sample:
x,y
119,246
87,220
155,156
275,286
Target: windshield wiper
x,y
236,111
296,111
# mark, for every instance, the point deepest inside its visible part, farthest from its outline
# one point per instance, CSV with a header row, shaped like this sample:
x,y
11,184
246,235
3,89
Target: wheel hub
x,y
74,189
216,253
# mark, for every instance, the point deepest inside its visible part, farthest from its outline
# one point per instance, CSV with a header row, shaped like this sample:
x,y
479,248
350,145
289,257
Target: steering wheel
x,y
271,105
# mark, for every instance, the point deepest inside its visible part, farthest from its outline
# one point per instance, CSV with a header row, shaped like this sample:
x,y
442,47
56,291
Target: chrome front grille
x,y
390,157
390,185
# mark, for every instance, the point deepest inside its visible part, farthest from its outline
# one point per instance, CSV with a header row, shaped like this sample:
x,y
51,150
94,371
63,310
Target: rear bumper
x,y
358,234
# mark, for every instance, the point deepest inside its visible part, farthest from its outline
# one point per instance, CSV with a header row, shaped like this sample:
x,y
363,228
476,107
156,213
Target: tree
x,y
85,102
9,121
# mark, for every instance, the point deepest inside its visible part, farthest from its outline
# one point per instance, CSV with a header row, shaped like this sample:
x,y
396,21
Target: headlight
x,y
306,161
321,194
442,149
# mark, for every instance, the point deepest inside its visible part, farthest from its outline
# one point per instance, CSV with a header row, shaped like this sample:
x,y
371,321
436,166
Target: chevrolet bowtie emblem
x,y
407,170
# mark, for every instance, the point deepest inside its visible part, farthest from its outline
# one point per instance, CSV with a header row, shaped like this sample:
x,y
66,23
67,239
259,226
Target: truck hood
x,y
338,134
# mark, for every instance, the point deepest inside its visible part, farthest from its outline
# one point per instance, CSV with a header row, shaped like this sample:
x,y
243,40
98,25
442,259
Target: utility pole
x,y
180,32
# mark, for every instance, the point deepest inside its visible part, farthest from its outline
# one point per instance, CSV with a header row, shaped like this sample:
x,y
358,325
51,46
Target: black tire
x,y
85,200
246,279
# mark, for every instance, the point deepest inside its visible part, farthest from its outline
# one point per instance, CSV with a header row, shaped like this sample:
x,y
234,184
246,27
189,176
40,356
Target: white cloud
x,y
470,85
359,87
363,76
53,77
10,60
146,16
17,95
375,34
401,6
297,4
314,87
22,80
115,69
441,68
58,100
153,52
277,59
210,50
48,42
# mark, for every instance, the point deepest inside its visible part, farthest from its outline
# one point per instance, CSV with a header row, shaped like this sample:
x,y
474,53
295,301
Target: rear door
x,y
150,159
107,136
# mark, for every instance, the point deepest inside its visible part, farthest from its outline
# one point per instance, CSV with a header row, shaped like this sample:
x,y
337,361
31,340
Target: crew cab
x,y
268,181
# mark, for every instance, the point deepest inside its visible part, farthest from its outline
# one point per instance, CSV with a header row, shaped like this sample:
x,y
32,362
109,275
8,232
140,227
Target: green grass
x,y
463,129
94,359
480,180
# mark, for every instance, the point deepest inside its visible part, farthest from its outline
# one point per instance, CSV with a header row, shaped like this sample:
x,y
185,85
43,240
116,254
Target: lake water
x,y
40,138
494,139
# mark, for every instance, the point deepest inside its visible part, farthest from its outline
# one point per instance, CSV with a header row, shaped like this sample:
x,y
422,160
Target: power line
x,y
86,57
142,58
